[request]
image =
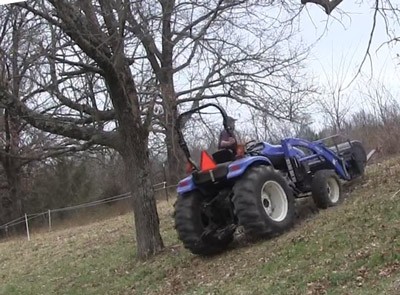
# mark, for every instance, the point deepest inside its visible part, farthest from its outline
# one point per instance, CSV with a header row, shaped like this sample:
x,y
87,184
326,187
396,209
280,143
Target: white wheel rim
x,y
274,200
333,190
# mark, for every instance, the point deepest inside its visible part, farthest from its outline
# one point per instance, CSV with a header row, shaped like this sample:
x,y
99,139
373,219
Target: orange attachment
x,y
240,151
206,163
189,168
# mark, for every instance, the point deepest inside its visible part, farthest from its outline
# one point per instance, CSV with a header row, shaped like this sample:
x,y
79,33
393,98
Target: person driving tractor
x,y
227,141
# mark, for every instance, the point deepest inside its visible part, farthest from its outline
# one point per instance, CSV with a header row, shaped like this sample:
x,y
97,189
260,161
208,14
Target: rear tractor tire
x,y
326,189
263,202
199,234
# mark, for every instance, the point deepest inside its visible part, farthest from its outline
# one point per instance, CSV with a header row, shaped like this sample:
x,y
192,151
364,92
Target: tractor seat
x,y
223,156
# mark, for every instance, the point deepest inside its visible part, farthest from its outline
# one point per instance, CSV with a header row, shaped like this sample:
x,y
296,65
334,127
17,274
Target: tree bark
x,y
328,5
14,185
134,151
12,205
175,156
137,167
11,134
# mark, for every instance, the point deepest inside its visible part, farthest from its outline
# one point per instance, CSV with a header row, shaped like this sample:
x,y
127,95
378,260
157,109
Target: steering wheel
x,y
250,144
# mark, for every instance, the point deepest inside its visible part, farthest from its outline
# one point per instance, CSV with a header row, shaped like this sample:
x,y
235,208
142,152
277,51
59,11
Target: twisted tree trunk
x,y
133,147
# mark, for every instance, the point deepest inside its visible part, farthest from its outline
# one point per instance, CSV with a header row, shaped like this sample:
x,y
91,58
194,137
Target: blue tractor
x,y
256,187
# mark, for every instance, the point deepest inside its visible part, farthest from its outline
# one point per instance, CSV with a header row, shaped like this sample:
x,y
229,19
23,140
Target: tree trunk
x,y
133,147
11,203
137,167
175,156
14,183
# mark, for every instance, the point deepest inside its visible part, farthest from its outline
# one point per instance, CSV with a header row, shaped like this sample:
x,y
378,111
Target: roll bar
x,y
181,139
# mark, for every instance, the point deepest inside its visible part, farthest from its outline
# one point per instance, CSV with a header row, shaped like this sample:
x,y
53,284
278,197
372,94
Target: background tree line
x,y
93,76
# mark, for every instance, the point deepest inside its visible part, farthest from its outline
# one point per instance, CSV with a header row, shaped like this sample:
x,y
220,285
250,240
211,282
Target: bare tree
x,y
212,50
20,144
386,110
91,39
335,102
105,66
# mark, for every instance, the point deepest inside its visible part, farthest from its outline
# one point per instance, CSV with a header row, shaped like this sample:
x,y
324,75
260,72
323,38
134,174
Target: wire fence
x,y
48,214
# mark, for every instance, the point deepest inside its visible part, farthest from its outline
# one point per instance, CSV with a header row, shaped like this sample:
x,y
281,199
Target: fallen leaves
x,y
317,288
389,269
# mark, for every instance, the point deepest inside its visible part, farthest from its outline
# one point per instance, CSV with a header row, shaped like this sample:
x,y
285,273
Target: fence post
x,y
48,212
165,184
166,191
27,227
6,229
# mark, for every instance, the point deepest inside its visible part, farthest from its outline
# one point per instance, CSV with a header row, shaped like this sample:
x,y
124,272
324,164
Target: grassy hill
x,y
351,249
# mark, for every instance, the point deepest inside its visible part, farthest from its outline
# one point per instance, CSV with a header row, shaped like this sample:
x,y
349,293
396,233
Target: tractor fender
x,y
235,169
186,185
238,167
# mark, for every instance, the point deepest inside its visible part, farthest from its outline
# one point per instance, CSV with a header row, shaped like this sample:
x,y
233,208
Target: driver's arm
x,y
226,143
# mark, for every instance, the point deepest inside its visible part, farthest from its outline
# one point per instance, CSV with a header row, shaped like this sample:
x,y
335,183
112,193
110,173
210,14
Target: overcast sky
x,y
345,39
340,43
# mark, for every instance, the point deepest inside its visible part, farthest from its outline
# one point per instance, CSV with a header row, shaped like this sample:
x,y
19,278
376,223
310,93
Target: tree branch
x,y
57,126
328,5
56,153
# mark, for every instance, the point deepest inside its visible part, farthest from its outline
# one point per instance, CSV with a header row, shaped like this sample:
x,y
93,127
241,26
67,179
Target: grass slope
x,y
350,249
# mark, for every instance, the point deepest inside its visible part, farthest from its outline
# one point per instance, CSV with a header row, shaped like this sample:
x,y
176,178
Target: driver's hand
x,y
231,140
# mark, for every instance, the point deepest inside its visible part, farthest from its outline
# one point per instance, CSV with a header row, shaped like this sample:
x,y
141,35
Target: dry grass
x,y
351,249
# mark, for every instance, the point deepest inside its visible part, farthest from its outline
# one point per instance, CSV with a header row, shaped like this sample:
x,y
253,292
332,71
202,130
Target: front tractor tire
x,y
359,157
198,232
326,189
263,202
